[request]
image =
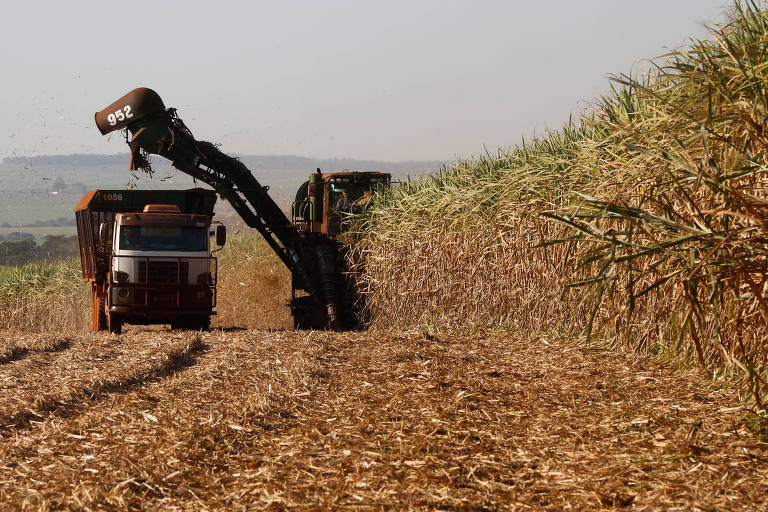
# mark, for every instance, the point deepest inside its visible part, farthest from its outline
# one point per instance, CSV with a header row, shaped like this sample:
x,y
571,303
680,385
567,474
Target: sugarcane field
x,y
198,312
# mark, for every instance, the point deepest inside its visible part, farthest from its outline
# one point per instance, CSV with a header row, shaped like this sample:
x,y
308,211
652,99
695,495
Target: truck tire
x,y
99,313
115,321
202,323
194,323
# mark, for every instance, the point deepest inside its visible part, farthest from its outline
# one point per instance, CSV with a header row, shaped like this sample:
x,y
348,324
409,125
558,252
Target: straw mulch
x,y
366,421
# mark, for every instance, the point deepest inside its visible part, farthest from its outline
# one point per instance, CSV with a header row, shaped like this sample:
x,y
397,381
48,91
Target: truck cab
x,y
150,262
162,269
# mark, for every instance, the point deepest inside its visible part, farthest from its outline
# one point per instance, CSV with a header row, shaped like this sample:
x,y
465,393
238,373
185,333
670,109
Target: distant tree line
x,y
61,221
16,236
58,187
53,247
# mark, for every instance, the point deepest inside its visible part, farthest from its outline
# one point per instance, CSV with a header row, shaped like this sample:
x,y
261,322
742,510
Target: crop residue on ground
x,y
227,419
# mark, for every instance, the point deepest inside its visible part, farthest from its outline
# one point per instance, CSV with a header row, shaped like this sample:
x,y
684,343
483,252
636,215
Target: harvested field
x,y
246,419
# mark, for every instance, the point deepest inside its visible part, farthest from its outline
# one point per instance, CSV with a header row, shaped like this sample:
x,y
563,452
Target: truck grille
x,y
163,272
155,298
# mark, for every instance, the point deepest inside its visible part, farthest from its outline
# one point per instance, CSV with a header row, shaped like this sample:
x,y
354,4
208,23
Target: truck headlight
x,y
120,296
121,277
205,278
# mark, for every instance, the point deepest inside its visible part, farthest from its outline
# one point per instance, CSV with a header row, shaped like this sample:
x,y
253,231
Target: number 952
x,y
120,115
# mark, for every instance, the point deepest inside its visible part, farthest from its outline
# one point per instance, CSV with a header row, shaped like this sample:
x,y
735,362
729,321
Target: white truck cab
x,y
162,269
150,263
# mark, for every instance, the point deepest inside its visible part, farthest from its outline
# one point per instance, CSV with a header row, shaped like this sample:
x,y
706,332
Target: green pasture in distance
x,y
19,208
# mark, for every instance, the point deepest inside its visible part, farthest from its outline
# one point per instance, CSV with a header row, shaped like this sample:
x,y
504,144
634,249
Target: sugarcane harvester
x,y
321,293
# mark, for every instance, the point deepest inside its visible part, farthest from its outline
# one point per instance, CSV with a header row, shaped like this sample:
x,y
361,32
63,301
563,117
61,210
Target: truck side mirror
x,y
103,233
221,235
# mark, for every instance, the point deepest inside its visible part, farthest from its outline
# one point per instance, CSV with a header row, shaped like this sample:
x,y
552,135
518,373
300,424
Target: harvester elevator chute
x,y
156,130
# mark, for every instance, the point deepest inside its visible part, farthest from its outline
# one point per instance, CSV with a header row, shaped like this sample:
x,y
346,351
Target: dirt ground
x,y
244,419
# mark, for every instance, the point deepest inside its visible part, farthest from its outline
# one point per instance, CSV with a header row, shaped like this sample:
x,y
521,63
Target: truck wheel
x,y
115,321
202,323
194,323
99,313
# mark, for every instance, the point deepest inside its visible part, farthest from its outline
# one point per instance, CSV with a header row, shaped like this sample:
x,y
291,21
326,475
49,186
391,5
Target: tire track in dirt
x,y
201,406
94,376
15,350
13,354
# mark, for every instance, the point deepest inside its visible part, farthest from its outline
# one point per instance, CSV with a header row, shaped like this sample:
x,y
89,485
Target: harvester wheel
x,y
302,311
303,322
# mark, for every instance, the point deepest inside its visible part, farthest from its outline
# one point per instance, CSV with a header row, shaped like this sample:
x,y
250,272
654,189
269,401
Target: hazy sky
x,y
387,80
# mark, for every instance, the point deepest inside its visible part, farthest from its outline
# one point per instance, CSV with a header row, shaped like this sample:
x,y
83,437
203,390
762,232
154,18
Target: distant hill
x,y
35,189
255,162
74,159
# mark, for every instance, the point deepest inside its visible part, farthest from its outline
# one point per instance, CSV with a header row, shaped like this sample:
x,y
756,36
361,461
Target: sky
x,y
388,80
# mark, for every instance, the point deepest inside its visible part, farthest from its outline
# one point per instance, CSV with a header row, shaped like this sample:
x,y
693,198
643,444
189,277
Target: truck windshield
x,y
164,238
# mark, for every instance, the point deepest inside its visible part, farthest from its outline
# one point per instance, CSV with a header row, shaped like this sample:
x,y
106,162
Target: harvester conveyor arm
x,y
157,130
235,183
